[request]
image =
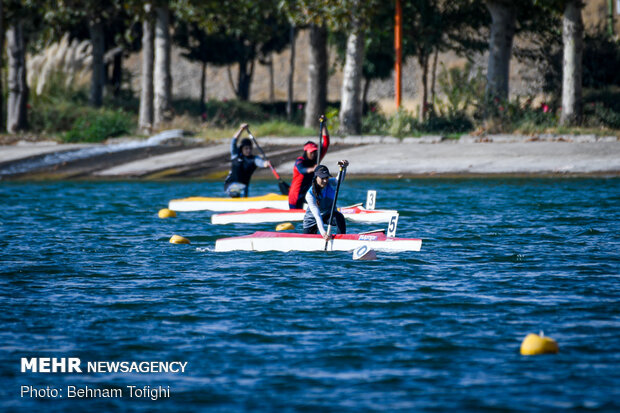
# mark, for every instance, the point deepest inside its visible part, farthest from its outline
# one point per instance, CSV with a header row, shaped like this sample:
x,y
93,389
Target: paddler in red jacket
x,y
303,171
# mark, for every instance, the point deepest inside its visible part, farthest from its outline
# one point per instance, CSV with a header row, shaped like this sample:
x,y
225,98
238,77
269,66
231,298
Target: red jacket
x,y
302,178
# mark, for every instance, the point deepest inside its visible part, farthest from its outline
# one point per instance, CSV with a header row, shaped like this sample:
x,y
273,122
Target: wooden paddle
x,y
284,187
331,215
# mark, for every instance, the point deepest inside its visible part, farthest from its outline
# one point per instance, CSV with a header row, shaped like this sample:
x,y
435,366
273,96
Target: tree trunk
x,y
317,76
203,90
291,76
434,78
146,94
365,95
244,79
1,63
423,60
572,37
350,106
17,115
272,92
117,74
500,49
162,84
97,80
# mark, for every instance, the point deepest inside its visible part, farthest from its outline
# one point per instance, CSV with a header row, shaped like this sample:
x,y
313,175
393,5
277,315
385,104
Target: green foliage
x,y
404,123
58,90
401,124
511,116
99,125
55,116
233,112
281,128
462,92
599,115
456,123
601,60
340,15
375,123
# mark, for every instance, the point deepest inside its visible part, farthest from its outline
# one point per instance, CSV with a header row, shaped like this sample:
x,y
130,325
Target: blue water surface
x,y
87,271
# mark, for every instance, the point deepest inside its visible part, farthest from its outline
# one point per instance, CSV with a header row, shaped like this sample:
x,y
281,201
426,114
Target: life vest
x,y
241,169
302,181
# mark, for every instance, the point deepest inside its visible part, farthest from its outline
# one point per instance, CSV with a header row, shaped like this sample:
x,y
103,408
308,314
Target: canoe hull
x,y
198,203
285,242
265,215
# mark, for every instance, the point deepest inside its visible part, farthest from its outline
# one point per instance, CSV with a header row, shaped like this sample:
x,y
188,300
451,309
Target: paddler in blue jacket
x,y
243,165
320,198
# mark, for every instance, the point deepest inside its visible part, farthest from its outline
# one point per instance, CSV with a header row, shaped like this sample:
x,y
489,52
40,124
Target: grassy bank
x,y
64,115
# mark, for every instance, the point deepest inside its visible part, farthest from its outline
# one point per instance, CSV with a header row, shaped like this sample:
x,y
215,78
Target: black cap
x,y
245,142
322,172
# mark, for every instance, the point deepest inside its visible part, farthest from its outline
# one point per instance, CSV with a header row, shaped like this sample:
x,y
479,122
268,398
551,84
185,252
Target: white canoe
x,y
257,216
279,241
199,203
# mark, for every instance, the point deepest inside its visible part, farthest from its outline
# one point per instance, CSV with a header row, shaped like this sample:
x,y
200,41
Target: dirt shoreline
x,y
173,155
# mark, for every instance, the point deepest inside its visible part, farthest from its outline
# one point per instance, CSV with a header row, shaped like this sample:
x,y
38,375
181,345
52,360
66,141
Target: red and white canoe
x,y
256,216
285,242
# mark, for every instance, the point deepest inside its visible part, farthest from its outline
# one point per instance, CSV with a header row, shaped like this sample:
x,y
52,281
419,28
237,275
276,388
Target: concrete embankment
x,y
172,155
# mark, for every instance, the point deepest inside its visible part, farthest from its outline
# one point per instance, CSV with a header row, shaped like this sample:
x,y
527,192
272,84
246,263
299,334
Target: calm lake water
x,y
87,271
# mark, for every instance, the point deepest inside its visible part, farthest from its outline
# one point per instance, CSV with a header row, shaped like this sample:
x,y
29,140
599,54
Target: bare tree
x,y
572,37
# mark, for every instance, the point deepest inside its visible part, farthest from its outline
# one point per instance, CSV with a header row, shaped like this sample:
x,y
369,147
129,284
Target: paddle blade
x,y
284,187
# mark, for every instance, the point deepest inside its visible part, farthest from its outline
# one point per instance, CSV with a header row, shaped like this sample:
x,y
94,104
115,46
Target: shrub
x,y
599,115
99,125
55,116
282,128
463,91
233,112
401,124
457,123
375,123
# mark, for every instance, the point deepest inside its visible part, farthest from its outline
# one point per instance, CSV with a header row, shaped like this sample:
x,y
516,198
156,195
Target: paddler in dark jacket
x,y
303,171
243,165
320,199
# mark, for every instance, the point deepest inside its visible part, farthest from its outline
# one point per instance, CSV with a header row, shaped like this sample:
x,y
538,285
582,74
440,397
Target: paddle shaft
x,y
318,155
331,215
284,187
275,173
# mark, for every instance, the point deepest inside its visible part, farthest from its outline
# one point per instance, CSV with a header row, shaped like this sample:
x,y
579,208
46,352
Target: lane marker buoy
x,y
166,213
364,253
284,226
534,344
177,239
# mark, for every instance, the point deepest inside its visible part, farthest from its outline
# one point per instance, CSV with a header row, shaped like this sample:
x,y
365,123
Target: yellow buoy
x,y
534,344
285,226
177,239
166,213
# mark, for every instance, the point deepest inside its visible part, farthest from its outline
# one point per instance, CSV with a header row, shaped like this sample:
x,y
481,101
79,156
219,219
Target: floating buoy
x,y
177,239
534,344
364,253
166,213
285,226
